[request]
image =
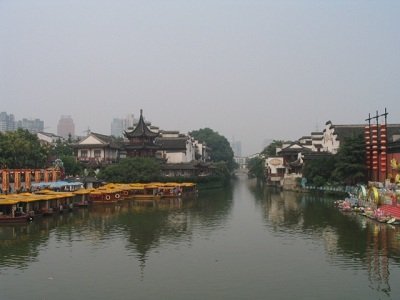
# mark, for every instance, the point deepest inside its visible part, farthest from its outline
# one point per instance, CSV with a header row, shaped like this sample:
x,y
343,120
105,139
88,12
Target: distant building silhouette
x,y
119,125
7,122
66,127
236,147
33,126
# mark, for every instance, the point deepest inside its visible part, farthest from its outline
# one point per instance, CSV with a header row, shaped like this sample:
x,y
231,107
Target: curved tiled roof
x,y
141,129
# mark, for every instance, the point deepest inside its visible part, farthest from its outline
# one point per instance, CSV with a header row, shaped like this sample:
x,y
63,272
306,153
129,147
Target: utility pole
x,y
369,147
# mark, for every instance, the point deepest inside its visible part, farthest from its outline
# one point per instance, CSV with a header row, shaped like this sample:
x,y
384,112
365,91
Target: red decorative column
x,y
5,184
368,150
374,147
37,176
17,180
382,150
27,180
46,176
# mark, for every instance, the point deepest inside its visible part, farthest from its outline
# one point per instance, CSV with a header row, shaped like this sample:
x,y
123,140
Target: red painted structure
x,y
376,151
23,177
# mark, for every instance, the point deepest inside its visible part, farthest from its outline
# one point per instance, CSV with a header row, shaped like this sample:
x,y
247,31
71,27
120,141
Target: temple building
x,y
141,140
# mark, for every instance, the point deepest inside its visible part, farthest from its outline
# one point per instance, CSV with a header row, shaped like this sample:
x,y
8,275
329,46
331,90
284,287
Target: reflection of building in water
x,y
283,208
379,238
350,240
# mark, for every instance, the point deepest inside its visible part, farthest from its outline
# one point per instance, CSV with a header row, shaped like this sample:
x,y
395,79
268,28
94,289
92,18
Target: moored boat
x,y
23,218
11,212
102,197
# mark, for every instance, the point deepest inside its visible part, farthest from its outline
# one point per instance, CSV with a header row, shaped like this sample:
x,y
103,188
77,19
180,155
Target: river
x,y
243,242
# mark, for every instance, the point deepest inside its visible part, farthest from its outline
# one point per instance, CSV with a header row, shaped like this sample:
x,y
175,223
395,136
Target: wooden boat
x,y
22,218
82,204
145,197
100,197
145,192
10,212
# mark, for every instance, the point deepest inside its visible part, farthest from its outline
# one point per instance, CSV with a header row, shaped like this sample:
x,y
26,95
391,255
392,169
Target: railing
x,y
345,189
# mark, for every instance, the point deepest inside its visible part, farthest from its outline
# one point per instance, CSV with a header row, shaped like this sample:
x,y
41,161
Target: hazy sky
x,y
250,70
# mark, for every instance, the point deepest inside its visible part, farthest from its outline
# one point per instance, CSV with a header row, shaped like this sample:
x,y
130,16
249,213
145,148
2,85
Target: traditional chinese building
x,y
97,149
141,140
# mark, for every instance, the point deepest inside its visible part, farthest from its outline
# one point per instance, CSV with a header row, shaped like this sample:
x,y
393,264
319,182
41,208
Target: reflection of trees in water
x,y
20,244
348,237
18,247
151,227
212,207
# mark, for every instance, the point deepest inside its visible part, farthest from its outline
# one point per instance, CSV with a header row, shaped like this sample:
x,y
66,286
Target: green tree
x,y
350,161
136,169
63,150
319,171
71,166
220,148
22,149
270,150
256,168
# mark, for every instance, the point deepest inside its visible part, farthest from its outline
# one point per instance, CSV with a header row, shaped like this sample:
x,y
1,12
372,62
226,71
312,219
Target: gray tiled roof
x,y
172,143
141,129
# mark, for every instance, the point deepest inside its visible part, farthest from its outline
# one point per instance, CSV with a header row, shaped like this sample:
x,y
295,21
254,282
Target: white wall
x,y
329,142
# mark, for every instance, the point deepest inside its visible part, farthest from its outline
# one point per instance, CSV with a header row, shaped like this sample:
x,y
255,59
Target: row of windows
x,y
96,153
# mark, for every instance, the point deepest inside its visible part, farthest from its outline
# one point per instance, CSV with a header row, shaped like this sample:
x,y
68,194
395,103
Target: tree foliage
x,y
256,168
319,171
22,149
62,148
270,150
71,166
350,161
136,169
346,167
64,151
221,150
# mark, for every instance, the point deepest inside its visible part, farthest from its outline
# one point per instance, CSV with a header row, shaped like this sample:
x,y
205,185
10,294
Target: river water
x,y
243,242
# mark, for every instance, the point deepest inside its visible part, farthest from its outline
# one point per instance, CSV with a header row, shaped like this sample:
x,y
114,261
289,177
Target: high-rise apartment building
x,y
118,125
33,126
236,147
66,127
7,122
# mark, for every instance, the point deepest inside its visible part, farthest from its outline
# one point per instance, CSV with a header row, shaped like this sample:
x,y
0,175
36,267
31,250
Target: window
x,y
84,153
97,153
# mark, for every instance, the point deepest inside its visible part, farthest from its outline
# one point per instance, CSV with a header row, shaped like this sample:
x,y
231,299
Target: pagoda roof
x,y
141,129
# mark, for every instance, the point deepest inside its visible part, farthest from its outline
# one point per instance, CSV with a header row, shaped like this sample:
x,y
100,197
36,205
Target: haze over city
x,y
250,70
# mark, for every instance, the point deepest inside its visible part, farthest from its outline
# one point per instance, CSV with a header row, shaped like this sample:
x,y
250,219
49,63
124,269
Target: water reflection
x,y
143,225
247,239
351,241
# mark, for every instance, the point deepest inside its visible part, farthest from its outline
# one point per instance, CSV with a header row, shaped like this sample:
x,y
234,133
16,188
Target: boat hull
x,y
19,219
